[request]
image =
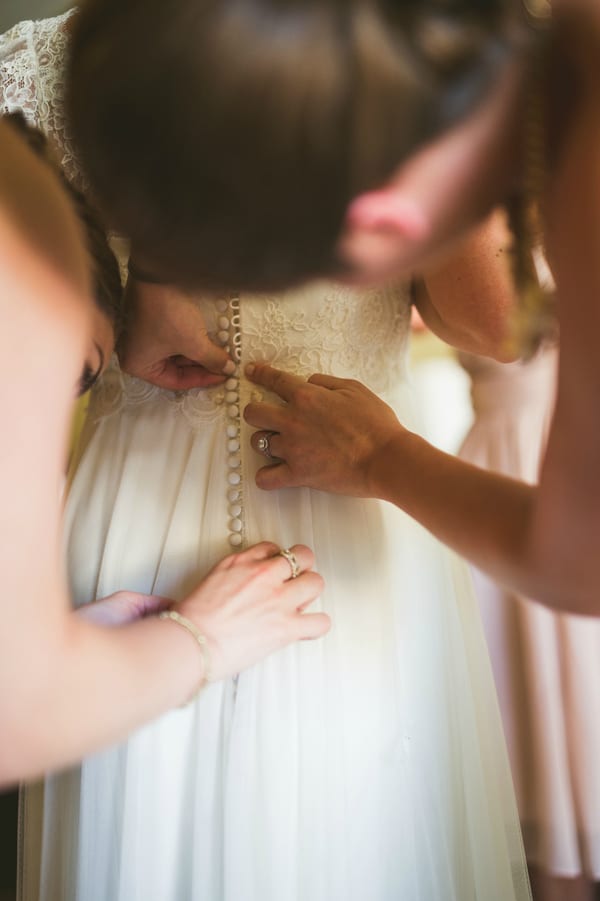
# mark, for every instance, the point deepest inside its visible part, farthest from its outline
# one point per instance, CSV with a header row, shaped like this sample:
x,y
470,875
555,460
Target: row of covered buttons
x,y
230,337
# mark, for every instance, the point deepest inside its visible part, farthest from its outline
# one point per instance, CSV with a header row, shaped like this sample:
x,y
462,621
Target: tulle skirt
x,y
366,766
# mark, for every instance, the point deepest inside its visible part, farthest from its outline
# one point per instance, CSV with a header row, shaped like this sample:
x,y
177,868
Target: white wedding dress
x,y
366,766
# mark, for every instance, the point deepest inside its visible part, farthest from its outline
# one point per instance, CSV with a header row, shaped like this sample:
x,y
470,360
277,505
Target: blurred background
x,y
12,11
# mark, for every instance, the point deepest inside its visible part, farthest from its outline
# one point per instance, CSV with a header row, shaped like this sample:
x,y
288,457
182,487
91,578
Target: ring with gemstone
x,y
291,559
263,445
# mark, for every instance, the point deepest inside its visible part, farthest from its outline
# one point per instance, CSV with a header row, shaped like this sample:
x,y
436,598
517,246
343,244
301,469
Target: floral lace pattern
x,y
32,80
333,329
318,328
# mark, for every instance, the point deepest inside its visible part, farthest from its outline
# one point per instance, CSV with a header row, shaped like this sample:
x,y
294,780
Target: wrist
x,y
185,666
390,463
201,644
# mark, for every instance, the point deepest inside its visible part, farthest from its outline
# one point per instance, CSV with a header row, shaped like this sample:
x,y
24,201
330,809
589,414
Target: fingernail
x,y
229,367
250,368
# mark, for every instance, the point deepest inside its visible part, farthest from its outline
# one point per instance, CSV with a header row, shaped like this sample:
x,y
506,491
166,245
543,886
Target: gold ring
x,y
291,559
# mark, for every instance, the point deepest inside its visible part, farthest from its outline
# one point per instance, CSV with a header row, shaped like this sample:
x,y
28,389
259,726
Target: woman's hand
x,y
249,606
166,342
122,607
327,436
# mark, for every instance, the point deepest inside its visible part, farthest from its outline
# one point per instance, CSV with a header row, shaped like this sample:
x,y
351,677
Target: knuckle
x,y
303,396
270,548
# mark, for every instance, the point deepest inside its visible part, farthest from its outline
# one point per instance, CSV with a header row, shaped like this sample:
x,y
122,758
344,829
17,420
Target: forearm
x,y
84,686
491,520
335,435
76,687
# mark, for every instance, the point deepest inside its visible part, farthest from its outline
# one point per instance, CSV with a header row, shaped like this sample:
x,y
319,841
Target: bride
x,y
369,766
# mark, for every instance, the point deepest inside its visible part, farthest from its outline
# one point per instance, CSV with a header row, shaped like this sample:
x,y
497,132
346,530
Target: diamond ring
x,y
263,445
291,559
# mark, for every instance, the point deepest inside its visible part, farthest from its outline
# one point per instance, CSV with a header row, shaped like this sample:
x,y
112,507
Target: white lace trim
x,y
33,58
320,328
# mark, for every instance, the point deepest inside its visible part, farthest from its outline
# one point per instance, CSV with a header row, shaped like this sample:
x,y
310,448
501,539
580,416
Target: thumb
x,y
180,373
201,349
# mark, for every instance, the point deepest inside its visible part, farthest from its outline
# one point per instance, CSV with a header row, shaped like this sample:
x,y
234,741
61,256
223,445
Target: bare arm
x,y
468,300
542,541
566,523
68,685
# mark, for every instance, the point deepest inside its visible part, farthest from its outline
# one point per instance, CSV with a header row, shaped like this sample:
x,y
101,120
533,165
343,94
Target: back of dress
x,y
369,765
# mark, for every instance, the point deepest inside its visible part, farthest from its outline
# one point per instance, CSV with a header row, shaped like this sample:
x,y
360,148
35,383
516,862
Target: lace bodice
x,y
317,328
32,80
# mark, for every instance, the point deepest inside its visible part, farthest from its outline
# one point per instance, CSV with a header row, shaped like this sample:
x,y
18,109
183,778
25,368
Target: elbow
x,y
493,339
16,750
504,352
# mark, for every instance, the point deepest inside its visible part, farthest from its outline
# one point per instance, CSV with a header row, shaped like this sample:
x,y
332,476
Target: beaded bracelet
x,y
200,640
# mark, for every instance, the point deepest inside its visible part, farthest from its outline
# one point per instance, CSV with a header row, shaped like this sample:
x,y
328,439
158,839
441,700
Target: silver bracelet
x,y
200,640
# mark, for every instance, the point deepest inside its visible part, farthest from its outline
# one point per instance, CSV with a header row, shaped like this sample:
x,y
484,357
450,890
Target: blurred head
x,y
230,138
106,281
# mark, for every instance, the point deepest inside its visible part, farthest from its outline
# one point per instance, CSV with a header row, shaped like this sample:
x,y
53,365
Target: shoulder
x,y
33,36
17,85
39,231
33,63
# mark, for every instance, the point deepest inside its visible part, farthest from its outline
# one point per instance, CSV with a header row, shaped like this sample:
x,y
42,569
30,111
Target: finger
x,y
298,593
274,443
317,585
279,475
312,625
264,550
257,552
283,568
180,376
209,354
282,383
268,417
327,381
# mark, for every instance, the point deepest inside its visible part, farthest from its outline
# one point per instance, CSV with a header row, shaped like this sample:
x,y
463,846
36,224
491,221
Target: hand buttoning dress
x,y
368,766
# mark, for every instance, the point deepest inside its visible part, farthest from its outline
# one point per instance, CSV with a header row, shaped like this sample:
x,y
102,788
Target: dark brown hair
x,y
226,138
106,277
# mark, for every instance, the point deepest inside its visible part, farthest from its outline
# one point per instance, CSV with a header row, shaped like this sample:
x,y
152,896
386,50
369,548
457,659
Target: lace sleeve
x,y
17,74
33,58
